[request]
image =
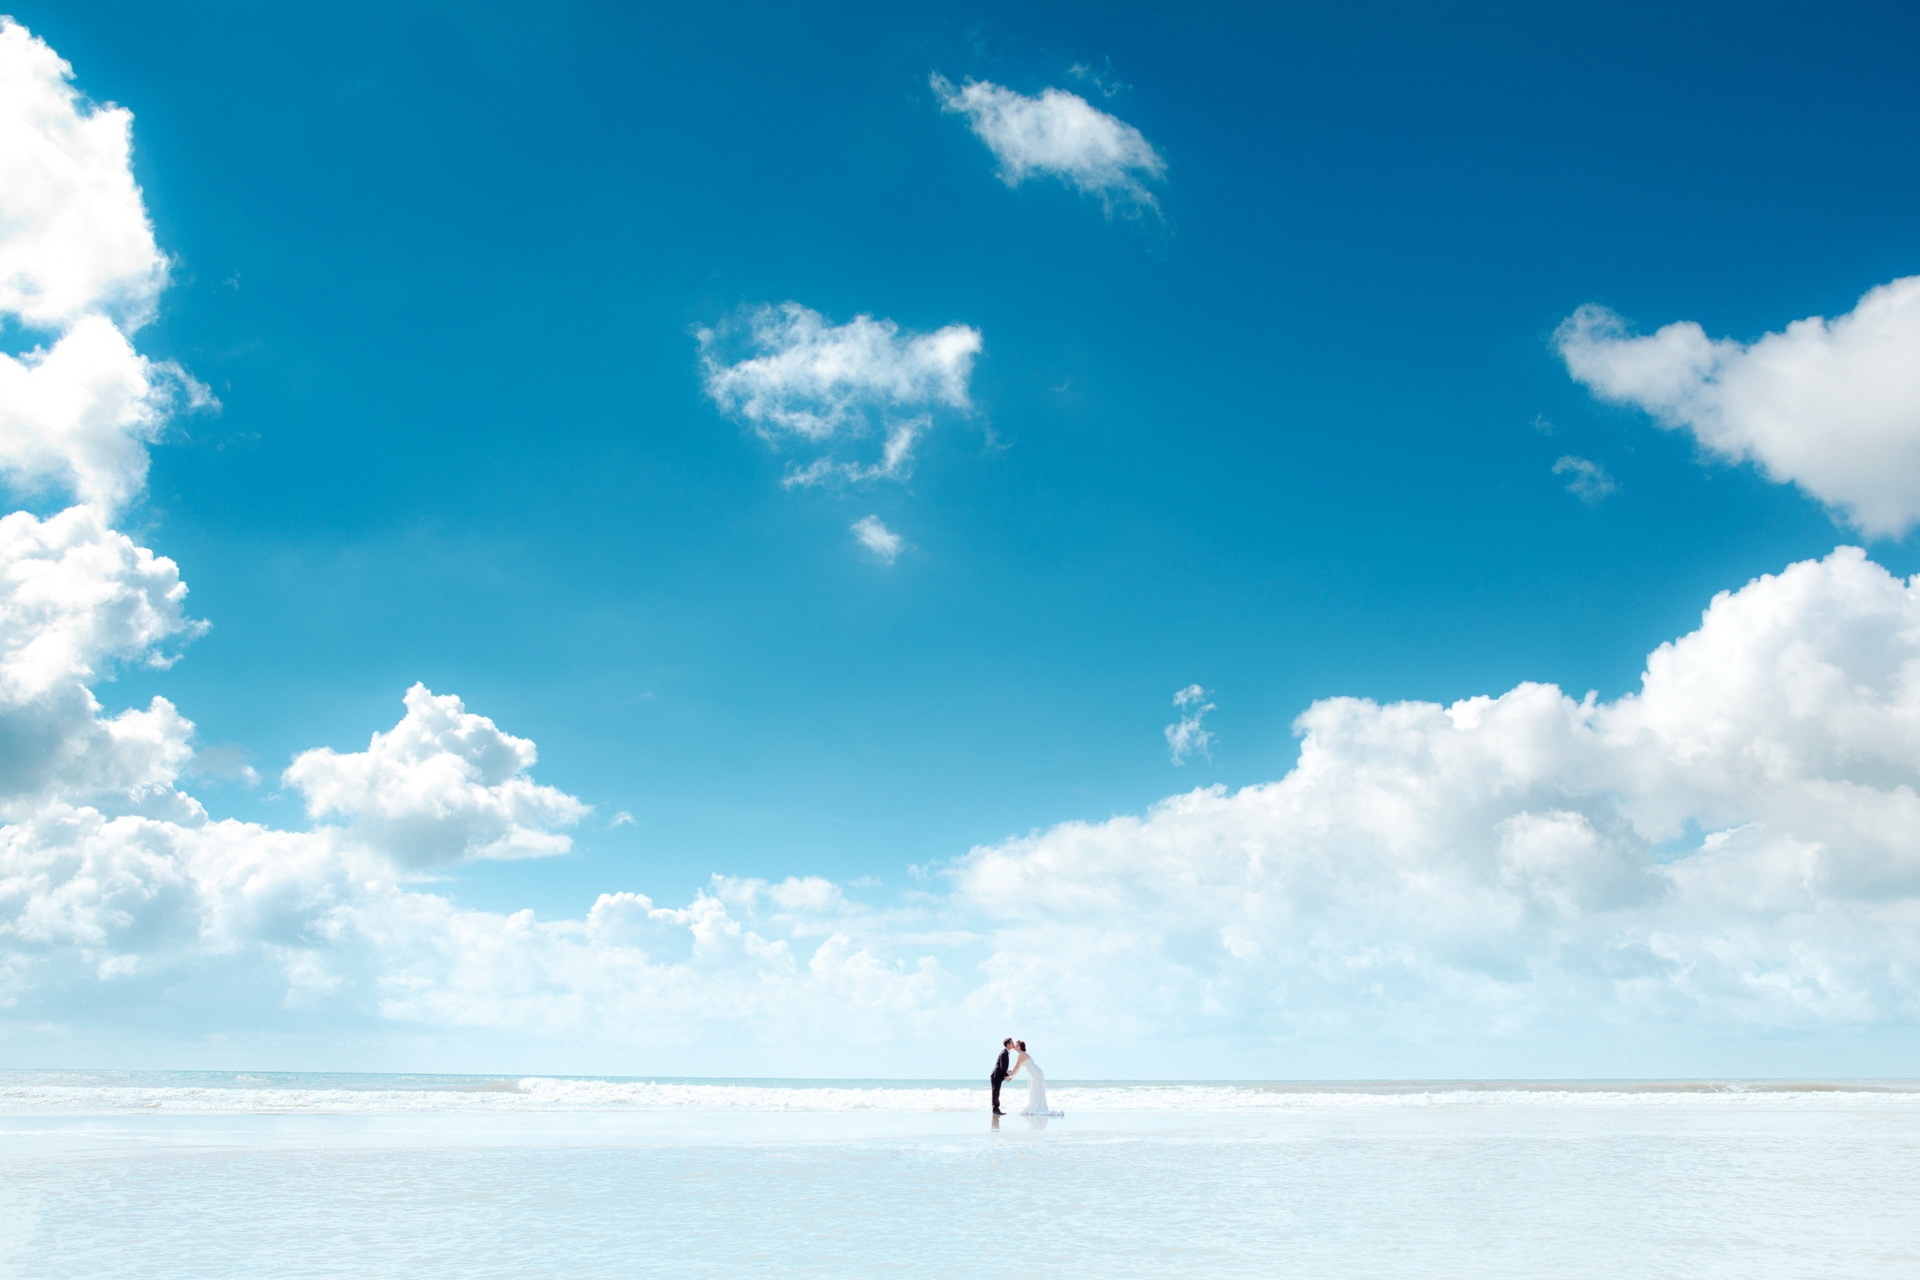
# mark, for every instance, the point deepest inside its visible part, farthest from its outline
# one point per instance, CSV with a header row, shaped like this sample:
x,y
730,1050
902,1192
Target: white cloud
x,y
1733,847
77,258
1101,78
883,542
1591,483
798,380
76,599
1831,406
115,886
80,414
441,786
74,235
124,905
1737,844
1185,736
1061,134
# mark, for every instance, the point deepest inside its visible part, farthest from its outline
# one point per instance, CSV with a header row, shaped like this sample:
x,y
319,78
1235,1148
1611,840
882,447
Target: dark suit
x,y
997,1078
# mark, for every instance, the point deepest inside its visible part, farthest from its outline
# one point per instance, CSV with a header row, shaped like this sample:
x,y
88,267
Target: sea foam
x,y
262,1093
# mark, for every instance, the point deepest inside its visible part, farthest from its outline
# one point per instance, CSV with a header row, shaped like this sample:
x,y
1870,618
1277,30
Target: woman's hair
x,y
1021,1045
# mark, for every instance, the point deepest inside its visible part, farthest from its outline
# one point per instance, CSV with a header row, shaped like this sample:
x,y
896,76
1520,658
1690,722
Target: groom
x,y
999,1075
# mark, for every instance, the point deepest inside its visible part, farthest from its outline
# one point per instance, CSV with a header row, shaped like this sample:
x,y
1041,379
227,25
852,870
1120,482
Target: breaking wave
x,y
243,1093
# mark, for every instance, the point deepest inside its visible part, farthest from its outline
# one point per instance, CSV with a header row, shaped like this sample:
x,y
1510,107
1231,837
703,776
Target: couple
x,y
1036,1079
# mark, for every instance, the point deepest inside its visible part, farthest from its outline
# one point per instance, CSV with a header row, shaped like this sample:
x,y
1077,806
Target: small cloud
x,y
1591,483
443,785
1058,133
883,542
1543,424
621,819
1101,78
1185,736
180,391
797,379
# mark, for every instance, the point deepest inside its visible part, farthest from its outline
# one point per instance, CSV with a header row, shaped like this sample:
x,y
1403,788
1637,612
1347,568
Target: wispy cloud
x,y
1185,736
1832,406
800,381
1101,77
883,542
1591,483
1060,134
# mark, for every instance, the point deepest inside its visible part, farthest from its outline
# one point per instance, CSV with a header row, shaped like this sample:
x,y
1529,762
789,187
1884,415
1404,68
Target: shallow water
x,y
288,1176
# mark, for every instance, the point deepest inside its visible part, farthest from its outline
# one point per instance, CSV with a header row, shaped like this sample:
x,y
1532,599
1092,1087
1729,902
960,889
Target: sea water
x,y
214,1175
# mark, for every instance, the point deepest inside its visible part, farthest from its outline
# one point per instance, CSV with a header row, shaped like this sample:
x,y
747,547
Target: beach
x,y
200,1174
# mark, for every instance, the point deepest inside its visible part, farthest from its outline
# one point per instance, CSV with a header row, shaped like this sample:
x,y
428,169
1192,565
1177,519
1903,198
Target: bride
x,y
1036,1083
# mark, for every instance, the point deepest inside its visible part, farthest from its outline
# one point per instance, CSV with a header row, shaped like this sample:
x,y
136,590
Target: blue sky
x,y
1290,436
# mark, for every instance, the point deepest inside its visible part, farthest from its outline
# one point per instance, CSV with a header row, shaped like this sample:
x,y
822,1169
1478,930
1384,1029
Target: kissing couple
x,y
1036,1079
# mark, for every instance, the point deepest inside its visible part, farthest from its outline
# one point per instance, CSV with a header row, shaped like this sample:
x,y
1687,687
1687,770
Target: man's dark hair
x,y
1006,1042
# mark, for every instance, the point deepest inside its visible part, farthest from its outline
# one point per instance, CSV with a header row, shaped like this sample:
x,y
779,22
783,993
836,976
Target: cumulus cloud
x,y
799,380
1590,483
882,542
1060,134
1832,406
115,884
79,415
74,235
77,259
1732,846
1185,736
77,599
1736,844
442,785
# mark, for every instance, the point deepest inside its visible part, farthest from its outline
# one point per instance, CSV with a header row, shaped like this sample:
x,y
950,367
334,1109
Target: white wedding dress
x,y
1036,1090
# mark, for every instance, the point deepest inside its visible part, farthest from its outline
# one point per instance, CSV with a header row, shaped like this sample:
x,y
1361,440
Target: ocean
x,y
202,1174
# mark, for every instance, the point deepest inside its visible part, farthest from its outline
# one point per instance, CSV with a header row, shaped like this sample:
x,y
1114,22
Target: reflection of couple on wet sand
x,y
1036,1078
